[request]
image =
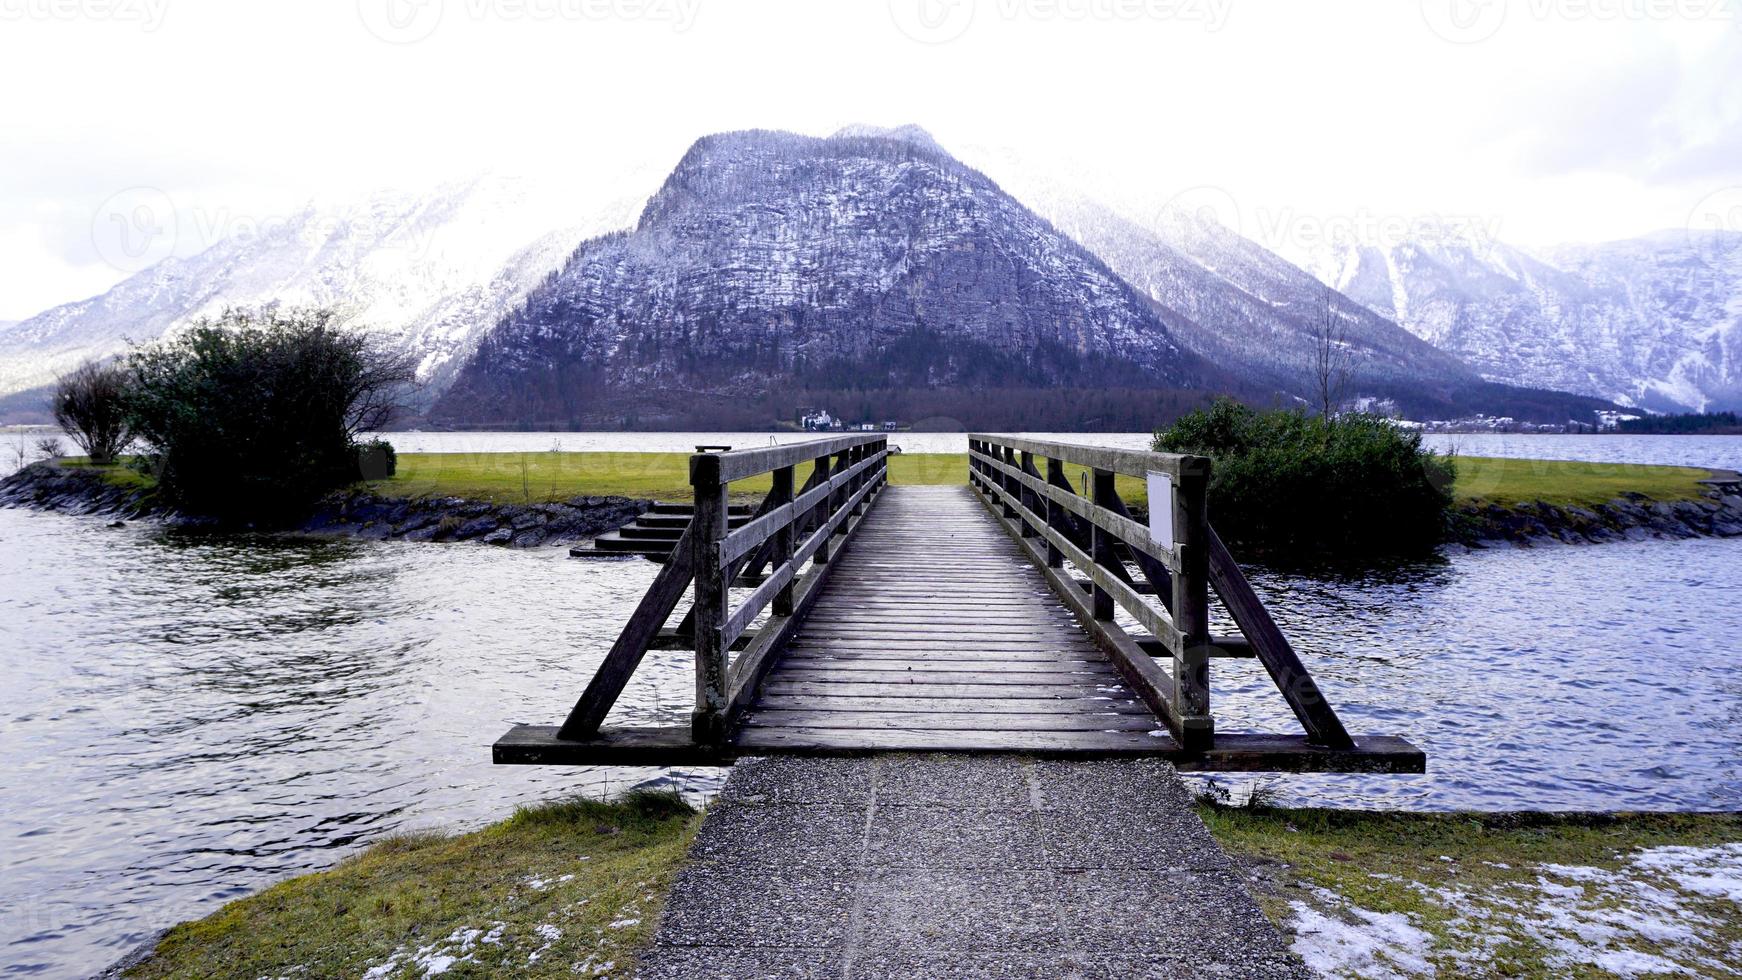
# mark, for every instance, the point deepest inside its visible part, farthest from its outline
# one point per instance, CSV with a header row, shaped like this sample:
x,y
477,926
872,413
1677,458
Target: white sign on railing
x,y
1161,509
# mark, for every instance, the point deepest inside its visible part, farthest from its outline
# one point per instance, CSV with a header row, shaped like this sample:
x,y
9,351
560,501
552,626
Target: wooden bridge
x,y
1011,615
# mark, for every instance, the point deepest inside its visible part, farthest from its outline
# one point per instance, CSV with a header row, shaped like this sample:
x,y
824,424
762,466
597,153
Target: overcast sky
x,y
1543,120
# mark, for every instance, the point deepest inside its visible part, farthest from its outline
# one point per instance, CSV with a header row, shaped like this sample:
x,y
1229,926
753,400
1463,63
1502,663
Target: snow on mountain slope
x,y
1653,321
1253,310
771,261
427,271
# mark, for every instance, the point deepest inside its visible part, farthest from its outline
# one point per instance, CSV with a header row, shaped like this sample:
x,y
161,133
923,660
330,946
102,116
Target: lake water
x,y
188,718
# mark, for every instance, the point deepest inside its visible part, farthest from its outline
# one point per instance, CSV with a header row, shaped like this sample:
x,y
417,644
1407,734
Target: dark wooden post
x,y
825,507
779,495
1008,482
860,454
1191,605
709,526
1030,502
1055,512
1102,540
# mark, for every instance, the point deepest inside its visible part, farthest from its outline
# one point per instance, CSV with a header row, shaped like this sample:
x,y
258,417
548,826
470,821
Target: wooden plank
x,y
1126,461
708,722
538,745
1273,650
970,659
742,463
1191,612
777,685
945,721
832,675
983,667
741,541
633,642
1130,533
1293,753
1150,618
838,741
1100,704
749,669
746,613
1012,633
1138,669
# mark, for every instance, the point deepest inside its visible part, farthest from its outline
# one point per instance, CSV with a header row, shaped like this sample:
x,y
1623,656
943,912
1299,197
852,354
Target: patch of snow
x,y
1636,920
1357,942
624,923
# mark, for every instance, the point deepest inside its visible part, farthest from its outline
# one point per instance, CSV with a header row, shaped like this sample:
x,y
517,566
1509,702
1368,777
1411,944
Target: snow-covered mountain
x,y
771,262
427,271
1257,312
1653,321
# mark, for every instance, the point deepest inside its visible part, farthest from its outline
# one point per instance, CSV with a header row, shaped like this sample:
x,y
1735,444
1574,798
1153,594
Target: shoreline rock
x,y
355,513
1631,517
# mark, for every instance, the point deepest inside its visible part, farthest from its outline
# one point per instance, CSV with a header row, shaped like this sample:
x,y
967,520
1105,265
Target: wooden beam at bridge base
x,y
531,745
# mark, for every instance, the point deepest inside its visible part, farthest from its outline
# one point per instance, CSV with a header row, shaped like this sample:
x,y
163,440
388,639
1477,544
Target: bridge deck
x,y
934,632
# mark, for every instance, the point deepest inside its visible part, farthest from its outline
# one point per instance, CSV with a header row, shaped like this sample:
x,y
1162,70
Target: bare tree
x,y
89,404
1333,358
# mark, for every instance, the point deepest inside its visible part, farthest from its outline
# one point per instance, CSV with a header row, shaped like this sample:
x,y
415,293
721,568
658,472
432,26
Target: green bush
x,y
254,416
1291,484
377,460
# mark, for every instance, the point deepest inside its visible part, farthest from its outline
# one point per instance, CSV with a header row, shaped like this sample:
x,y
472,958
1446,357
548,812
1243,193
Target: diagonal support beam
x,y
1272,649
632,644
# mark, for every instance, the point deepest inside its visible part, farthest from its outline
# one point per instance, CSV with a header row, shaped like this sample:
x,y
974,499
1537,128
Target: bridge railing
x,y
792,526
1178,557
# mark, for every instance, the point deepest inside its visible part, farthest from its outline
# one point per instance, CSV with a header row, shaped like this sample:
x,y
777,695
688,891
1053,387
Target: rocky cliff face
x,y
1654,322
771,261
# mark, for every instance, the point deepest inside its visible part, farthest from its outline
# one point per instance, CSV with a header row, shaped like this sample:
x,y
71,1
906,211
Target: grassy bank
x,y
545,476
1369,894
559,890
540,477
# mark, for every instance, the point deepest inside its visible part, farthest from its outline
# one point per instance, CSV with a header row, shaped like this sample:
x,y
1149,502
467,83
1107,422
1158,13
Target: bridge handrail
x,y
1130,462
1006,467
848,472
1091,531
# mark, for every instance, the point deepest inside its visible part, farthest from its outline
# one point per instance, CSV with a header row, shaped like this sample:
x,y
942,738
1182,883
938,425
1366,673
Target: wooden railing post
x,y
1027,496
1191,609
1055,512
709,525
781,494
1009,482
1102,540
826,507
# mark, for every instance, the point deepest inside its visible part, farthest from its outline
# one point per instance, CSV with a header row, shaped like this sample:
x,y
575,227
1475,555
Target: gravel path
x,y
963,867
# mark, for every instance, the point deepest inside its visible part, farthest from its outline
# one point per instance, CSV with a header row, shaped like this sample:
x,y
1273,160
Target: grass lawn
x,y
1511,481
559,890
1370,894
539,477
545,476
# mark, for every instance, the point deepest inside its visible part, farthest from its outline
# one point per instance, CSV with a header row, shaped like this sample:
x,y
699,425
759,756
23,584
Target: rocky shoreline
x,y
50,486
1632,517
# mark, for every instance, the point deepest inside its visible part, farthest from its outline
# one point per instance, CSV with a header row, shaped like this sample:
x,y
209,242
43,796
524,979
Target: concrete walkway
x,y
963,867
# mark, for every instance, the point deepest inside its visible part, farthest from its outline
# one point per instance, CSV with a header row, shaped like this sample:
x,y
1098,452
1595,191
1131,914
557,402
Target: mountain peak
x,y
907,133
